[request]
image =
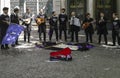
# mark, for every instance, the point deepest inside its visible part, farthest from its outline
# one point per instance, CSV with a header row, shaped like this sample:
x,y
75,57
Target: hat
x,y
5,8
17,7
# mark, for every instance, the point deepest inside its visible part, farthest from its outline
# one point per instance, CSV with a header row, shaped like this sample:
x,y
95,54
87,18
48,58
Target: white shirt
x,y
76,21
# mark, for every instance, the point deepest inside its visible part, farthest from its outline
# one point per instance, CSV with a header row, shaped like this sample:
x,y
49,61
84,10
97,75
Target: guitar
x,y
40,21
86,25
27,21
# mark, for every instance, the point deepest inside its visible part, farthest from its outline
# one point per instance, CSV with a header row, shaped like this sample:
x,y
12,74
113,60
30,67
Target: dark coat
x,y
102,28
53,22
116,25
90,28
14,18
42,27
63,21
3,25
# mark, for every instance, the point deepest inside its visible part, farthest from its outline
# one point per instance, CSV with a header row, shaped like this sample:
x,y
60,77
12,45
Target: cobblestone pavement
x,y
26,61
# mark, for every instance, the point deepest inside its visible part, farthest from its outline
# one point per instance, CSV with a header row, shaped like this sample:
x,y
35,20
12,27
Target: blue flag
x,y
12,34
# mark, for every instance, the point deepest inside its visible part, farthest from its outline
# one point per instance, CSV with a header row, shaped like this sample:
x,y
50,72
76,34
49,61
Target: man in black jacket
x,y
42,26
89,31
115,29
4,24
102,28
15,19
63,24
53,26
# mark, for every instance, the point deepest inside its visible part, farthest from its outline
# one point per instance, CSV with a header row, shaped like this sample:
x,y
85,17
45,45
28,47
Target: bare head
x,y
54,13
73,14
114,15
88,15
5,10
41,11
63,10
28,10
102,14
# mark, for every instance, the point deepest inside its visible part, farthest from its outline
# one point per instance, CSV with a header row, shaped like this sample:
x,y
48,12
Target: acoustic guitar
x,y
27,21
86,25
40,21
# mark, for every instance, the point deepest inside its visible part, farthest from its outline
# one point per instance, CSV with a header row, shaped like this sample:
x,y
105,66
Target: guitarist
x,y
27,20
89,30
42,25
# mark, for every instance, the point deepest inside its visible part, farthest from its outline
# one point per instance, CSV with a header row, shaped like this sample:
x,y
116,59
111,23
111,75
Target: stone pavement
x,y
27,61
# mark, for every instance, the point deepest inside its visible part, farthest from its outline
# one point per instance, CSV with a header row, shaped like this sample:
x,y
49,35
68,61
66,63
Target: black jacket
x,y
53,22
42,16
102,28
14,18
63,21
116,25
90,27
3,24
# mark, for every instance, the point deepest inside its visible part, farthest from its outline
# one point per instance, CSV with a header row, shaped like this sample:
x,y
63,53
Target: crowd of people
x,y
59,25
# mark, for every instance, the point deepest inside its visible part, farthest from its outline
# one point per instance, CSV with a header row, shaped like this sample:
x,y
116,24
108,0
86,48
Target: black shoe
x,y
2,47
17,44
113,45
7,47
13,45
106,44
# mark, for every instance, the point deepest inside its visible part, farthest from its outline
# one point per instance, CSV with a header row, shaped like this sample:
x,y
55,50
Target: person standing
x,y
14,18
88,27
75,27
53,26
42,24
4,24
63,24
27,20
102,28
115,29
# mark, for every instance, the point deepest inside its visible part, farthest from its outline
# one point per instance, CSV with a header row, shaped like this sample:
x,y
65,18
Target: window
x,y
106,6
78,6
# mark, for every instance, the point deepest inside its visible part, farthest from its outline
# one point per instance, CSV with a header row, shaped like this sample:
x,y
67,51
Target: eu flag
x,y
12,34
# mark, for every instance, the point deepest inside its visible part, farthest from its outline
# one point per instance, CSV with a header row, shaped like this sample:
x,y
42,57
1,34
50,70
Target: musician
x,y
15,19
27,20
53,25
42,25
75,26
4,24
63,24
102,28
89,31
115,29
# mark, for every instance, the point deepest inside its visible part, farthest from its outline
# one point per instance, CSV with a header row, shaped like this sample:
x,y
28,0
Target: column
x,y
56,6
90,7
37,6
62,3
24,6
4,3
118,7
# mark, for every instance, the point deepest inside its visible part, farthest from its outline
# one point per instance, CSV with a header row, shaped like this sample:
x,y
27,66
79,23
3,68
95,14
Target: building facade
x,y
94,7
34,5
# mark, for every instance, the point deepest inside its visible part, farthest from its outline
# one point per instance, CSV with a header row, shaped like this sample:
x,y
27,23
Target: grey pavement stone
x,y
32,63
